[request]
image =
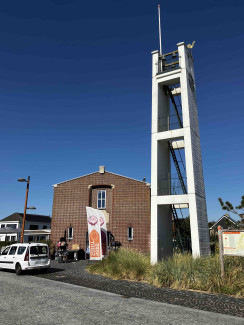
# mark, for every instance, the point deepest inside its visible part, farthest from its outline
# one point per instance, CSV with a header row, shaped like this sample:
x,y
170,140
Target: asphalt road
x,y
33,300
76,273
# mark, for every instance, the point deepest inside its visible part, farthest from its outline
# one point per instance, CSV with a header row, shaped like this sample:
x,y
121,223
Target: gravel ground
x,y
75,273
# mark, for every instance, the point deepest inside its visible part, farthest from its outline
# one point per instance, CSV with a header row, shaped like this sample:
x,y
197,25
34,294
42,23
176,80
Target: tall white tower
x,y
176,163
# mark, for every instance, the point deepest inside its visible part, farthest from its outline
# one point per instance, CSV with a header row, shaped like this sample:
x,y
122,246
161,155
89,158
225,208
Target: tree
x,y
211,223
229,207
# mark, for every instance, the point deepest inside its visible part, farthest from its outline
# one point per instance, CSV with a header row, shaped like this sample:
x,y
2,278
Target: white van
x,y
27,256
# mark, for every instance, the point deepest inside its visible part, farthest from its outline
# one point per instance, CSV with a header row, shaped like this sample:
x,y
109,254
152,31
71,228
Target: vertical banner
x,y
103,227
94,234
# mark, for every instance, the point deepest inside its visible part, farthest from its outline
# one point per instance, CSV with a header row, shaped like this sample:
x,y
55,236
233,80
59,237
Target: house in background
x,y
37,227
124,201
226,222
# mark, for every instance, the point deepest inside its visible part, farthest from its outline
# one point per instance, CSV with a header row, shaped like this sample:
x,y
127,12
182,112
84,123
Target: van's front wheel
x,y
18,269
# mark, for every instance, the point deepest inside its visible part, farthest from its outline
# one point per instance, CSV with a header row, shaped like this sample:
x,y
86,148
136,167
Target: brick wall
x,y
127,203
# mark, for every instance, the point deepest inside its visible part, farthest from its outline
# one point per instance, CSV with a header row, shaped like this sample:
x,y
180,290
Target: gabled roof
x,y
226,216
29,217
147,184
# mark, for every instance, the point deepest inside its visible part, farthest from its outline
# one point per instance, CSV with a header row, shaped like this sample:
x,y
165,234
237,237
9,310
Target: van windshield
x,y
38,250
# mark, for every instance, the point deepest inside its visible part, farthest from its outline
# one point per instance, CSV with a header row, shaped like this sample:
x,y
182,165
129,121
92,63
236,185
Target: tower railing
x,y
171,186
169,122
168,62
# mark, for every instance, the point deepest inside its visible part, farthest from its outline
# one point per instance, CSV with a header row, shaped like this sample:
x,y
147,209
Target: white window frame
x,y
12,224
72,233
102,208
132,233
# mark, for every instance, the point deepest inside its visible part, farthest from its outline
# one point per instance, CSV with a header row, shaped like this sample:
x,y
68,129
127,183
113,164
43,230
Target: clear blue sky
x,y
75,92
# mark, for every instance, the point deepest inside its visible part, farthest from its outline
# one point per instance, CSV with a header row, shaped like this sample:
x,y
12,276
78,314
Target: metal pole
x,y
26,199
221,255
159,29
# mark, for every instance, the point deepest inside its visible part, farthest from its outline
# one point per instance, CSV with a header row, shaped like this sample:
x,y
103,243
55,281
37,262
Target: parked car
x,y
27,256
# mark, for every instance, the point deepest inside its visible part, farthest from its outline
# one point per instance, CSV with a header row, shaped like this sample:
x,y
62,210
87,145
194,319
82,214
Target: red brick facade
x,y
127,203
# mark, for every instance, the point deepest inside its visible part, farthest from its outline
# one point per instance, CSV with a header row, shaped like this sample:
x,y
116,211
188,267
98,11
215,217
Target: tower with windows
x,y
176,165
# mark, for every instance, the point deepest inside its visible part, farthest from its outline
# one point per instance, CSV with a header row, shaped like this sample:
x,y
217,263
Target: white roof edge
x,y
129,178
72,179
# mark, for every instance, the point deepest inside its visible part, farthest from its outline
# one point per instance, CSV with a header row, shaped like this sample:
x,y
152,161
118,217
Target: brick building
x,y
125,202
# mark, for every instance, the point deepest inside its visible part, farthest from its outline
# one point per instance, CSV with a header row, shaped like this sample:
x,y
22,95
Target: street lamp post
x,y
26,199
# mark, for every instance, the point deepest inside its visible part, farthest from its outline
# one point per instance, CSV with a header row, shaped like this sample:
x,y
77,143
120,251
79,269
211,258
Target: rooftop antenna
x,y
159,24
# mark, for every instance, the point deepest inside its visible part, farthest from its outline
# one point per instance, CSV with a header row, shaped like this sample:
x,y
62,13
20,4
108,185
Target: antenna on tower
x,y
159,25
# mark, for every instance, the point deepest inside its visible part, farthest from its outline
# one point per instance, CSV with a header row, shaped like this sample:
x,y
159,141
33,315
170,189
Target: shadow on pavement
x,y
44,271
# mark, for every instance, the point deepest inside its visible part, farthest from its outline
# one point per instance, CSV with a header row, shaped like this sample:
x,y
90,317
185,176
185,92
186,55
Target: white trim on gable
x,y
227,217
72,179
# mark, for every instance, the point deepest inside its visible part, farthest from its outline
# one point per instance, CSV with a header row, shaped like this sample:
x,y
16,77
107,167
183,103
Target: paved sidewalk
x,y
75,273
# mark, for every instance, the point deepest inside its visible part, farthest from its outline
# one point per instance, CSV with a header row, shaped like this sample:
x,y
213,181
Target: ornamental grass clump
x,y
181,271
124,264
202,273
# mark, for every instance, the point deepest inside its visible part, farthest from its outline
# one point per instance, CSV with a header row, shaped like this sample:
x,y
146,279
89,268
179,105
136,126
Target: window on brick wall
x,y
70,233
101,199
130,233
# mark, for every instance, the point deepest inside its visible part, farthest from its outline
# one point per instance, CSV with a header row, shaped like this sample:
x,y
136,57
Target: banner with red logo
x,y
103,228
94,234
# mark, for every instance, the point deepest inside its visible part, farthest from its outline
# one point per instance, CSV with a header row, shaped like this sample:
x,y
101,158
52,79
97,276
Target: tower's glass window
x,y
101,199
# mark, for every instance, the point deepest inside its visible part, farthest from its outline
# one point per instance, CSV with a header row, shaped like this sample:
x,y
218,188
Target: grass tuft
x,y
178,272
124,264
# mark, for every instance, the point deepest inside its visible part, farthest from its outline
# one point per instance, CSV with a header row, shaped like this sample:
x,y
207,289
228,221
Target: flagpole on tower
x,y
159,24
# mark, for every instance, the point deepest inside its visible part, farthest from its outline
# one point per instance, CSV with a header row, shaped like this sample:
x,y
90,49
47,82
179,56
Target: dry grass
x,y
124,264
184,272
178,272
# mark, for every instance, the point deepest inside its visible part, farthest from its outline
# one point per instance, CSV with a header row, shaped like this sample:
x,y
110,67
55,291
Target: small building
x,y
124,201
37,227
226,222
